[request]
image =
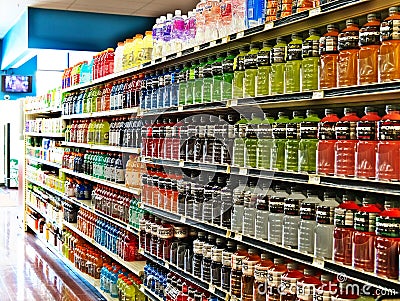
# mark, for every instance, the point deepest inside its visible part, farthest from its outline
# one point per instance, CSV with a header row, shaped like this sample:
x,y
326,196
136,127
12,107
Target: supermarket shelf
x,y
49,135
130,150
35,208
135,266
43,111
102,114
327,265
44,186
42,161
365,185
149,294
103,182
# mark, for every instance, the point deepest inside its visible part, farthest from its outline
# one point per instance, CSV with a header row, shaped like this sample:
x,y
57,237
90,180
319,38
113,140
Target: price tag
x,y
181,163
240,35
179,54
228,233
129,226
269,25
242,171
141,251
153,62
318,94
180,108
318,262
314,179
211,288
238,236
183,219
166,264
225,40
228,169
315,11
196,48
163,59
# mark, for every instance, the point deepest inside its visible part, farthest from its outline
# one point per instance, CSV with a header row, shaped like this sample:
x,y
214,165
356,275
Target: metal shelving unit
x,y
129,150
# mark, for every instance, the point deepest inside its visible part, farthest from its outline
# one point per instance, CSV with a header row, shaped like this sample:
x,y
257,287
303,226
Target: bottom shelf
x,y
149,294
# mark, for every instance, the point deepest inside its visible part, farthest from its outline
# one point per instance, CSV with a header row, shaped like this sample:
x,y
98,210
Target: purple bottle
x,y
177,31
190,30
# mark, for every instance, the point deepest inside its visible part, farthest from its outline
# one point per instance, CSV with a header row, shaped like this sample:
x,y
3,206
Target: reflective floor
x,y
28,270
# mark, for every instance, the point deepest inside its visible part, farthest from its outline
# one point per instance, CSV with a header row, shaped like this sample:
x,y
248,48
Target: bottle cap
x,y
314,32
311,112
370,110
280,40
255,45
178,12
329,194
241,247
220,241
244,48
266,44
390,108
326,277
169,16
348,111
393,10
329,111
373,16
281,114
308,272
368,200
331,27
296,36
265,256
297,113
230,244
351,22
278,261
252,251
292,266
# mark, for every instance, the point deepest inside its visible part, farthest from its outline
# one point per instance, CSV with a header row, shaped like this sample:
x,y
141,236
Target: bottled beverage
x,y
228,75
291,220
292,141
289,282
343,293
226,18
238,206
262,212
348,46
238,15
329,54
310,63
250,66
389,64
239,71
307,286
366,147
167,27
279,141
198,81
208,79
265,142
308,222
323,238
251,141
369,50
216,261
326,162
236,270
293,64
278,60
261,278
200,22
206,263
264,69
325,289
308,142
157,37
190,30
249,213
182,81
364,235
388,151
276,213
198,253
227,253
274,279
217,74
177,31
345,145
240,142
190,83
248,268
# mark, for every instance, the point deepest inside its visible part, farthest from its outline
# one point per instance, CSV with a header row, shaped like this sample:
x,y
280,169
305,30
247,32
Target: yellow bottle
x,y
147,49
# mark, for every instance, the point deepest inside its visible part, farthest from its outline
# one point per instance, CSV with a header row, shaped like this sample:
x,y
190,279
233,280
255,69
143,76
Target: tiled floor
x,y
28,270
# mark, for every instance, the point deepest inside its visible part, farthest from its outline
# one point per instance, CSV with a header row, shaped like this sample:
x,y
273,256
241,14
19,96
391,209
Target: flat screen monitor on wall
x,y
16,83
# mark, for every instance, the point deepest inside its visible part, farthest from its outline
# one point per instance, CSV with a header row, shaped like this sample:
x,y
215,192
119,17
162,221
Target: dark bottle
x,y
248,267
165,236
192,125
142,230
198,194
236,272
226,205
216,261
149,223
183,191
206,263
180,235
198,253
154,236
227,264
261,278
216,201
209,189
188,256
189,200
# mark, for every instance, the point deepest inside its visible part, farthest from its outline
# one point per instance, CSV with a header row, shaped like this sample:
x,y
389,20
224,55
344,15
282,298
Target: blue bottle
x,y
143,92
174,95
154,90
113,284
255,13
149,90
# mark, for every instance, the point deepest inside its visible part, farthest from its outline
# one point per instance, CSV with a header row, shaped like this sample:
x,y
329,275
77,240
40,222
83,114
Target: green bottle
x,y
190,83
104,132
239,145
103,164
87,100
238,74
265,142
90,134
227,76
308,142
252,141
250,73
311,61
217,73
292,141
278,59
208,79
279,136
198,81
182,77
264,69
293,64
94,99
95,160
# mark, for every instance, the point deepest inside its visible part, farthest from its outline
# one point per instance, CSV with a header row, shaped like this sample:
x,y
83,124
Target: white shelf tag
x,y
213,43
318,94
180,108
242,171
183,219
318,262
238,236
314,179
269,25
166,264
211,289
240,35
196,48
179,54
315,11
181,163
225,40
234,102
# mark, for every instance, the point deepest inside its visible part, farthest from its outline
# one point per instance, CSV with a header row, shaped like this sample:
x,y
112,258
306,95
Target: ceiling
x,y
10,10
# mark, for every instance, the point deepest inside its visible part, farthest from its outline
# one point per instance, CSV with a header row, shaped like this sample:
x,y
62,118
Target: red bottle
x,y
364,236
344,230
248,268
388,152
149,224
326,143
324,291
236,272
307,286
105,97
367,144
344,293
289,282
388,242
165,236
261,278
345,147
274,279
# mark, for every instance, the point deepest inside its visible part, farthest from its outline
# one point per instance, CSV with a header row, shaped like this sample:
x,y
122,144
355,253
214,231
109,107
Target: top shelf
x,y
336,11
44,111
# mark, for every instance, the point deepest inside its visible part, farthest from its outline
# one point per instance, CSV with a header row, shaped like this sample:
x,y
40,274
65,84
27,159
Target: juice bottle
x,y
278,59
292,141
369,50
228,75
250,66
190,81
252,141
307,285
326,144
248,267
291,220
364,235
239,147
310,63
265,142
293,64
208,79
264,69
345,146
279,140
329,54
388,151
274,279
276,214
308,142
261,277
236,272
388,241
284,8
389,64
289,282
182,81
367,144
324,291
344,229
104,132
217,72
344,294
239,72
348,54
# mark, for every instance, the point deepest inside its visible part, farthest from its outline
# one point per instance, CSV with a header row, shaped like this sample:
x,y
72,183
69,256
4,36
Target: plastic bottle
x,y
326,144
292,141
369,50
264,69
182,80
308,142
329,54
206,263
271,10
284,9
147,50
239,72
291,219
364,235
251,141
261,277
212,19
190,30
366,147
167,27
236,272
278,60
239,148
248,268
177,32
324,291
310,63
200,22
289,282
293,64
250,66
249,214
157,36
208,79
274,279
190,82
216,261
226,18
388,151
307,286
279,140
228,75
217,75
238,206
276,214
389,63
323,238
238,15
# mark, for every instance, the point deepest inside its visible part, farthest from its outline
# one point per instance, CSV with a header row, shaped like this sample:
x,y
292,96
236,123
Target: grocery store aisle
x,y
28,270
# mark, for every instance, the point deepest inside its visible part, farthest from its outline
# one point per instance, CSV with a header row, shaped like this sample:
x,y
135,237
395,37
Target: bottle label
x,y
322,295
289,286
142,225
344,218
348,40
326,130
328,45
389,130
165,233
279,130
227,66
308,211
261,274
325,215
388,226
239,66
346,130
309,130
207,250
148,226
250,61
276,205
274,278
292,207
226,258
366,130
263,58
237,262
207,71
264,131
310,48
370,35
365,221
154,229
216,254
294,52
217,69
305,291
390,30
292,130
278,55
248,267
198,247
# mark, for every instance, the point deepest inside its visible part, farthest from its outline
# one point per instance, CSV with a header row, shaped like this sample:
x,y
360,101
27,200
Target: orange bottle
x,y
348,54
369,50
328,58
389,64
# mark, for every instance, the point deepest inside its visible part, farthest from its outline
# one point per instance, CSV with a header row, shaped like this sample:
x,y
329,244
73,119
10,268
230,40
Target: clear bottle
x,y
292,141
278,60
239,72
264,69
329,54
216,261
249,212
293,64
308,142
291,220
226,18
250,73
236,270
262,211
177,32
248,268
275,217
